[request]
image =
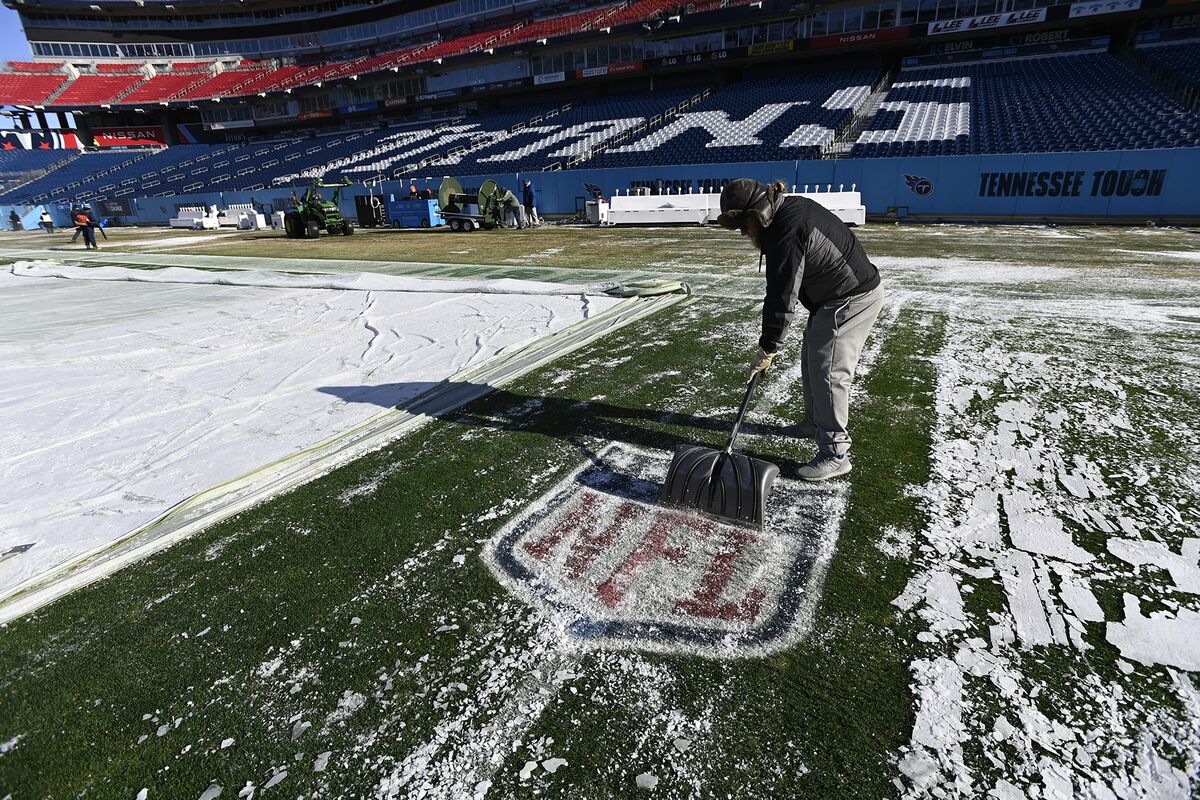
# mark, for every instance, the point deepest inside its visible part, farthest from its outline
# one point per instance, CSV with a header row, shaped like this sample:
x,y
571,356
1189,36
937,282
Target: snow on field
x,y
1045,489
122,397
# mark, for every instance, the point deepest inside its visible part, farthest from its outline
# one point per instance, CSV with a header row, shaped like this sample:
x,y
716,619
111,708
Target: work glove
x,y
761,363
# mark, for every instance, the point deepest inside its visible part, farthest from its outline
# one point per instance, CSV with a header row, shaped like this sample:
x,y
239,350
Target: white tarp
x,y
121,396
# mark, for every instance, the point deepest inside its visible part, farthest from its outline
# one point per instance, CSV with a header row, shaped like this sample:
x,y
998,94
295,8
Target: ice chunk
x,y
1159,638
551,765
944,609
1182,566
527,770
1016,573
275,779
1077,595
647,780
211,793
322,761
1075,484
1039,532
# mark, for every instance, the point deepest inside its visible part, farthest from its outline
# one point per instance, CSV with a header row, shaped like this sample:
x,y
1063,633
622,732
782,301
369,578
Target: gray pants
x,y
833,342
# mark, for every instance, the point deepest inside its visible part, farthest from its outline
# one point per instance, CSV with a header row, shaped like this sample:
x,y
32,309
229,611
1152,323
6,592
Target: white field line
x,y
462,761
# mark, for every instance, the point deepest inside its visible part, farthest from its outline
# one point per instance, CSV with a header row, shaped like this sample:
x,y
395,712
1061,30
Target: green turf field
x,y
1012,603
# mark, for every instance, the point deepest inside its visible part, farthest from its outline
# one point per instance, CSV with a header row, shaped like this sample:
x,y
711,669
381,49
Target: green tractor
x,y
314,213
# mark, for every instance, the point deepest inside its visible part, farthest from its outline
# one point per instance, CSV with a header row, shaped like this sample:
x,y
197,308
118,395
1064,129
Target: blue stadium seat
x,y
1077,102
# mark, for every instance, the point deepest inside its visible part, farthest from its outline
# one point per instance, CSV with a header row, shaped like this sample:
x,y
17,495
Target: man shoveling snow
x,y
811,256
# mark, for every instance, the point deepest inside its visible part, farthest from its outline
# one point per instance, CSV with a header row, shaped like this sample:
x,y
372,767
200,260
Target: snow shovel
x,y
721,482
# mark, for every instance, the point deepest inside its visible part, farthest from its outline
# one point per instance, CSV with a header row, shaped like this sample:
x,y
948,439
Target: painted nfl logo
x,y
613,569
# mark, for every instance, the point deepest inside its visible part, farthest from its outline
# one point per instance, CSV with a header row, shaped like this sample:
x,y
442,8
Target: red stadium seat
x,y
95,90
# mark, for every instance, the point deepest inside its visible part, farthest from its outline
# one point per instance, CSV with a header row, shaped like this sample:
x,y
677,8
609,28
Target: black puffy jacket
x,y
812,257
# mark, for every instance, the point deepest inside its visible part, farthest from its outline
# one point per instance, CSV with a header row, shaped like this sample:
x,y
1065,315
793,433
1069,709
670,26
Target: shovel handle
x,y
737,423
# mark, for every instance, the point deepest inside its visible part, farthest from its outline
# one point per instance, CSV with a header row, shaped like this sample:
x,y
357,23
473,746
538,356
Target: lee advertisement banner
x,y
129,137
38,140
987,22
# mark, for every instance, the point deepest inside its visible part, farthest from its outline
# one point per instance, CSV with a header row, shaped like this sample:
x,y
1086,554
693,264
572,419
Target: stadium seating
x,y
268,81
18,166
35,67
167,85
1181,60
778,116
1079,102
223,83
562,138
74,179
104,88
28,90
95,90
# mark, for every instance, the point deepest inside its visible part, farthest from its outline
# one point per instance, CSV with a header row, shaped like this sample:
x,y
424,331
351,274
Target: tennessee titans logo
x,y
921,187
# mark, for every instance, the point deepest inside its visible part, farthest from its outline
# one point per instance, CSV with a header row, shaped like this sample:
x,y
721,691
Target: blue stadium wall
x,y
1133,186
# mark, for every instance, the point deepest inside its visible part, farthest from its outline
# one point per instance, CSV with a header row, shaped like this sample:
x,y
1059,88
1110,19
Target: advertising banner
x,y
771,48
549,77
129,137
244,123
116,208
987,21
859,37
1098,7
696,58
358,108
440,95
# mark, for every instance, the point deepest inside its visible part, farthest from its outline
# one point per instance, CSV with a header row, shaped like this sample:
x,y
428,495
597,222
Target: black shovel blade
x,y
729,485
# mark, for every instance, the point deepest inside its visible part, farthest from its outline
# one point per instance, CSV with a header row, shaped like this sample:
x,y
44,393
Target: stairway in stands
x,y
844,140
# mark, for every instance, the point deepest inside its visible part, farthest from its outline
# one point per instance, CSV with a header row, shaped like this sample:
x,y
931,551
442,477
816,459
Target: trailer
x,y
469,211
412,212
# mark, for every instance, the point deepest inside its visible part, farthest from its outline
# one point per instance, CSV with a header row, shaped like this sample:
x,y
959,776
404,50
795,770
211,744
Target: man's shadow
x,y
571,420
